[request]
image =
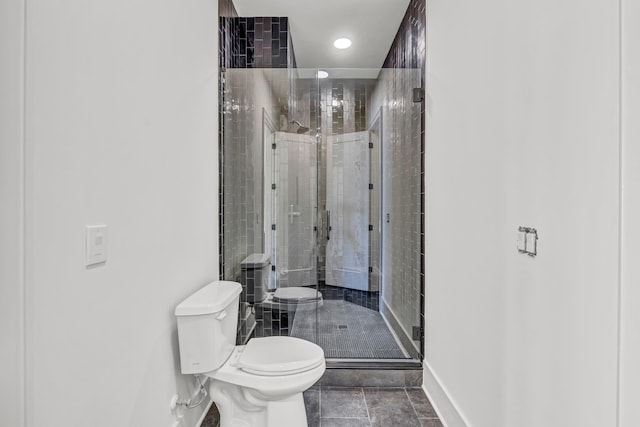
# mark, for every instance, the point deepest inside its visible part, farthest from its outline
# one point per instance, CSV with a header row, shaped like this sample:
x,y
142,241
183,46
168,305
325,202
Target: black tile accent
x,y
255,42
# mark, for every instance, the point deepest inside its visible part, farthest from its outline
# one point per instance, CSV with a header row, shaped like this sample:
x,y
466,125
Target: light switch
x,y
96,244
521,239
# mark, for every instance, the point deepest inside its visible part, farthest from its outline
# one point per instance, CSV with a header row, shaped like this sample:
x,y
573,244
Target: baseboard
x,y
396,327
204,414
444,405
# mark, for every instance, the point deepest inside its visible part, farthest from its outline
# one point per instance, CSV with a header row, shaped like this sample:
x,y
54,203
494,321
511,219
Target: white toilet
x,y
256,385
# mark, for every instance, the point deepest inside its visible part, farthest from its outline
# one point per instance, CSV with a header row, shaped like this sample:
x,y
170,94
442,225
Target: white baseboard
x,y
407,341
445,407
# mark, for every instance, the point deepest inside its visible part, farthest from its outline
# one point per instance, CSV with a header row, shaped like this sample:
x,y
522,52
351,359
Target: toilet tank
x,y
207,326
254,277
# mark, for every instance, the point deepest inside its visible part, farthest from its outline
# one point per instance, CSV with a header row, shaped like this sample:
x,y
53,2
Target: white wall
x,y
630,292
11,213
522,129
121,129
562,119
467,237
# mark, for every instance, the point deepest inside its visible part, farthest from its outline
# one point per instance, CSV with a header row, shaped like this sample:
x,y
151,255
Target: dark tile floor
x,y
369,407
361,407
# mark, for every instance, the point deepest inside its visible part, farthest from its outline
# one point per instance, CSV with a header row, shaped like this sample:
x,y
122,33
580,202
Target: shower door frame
x,y
376,117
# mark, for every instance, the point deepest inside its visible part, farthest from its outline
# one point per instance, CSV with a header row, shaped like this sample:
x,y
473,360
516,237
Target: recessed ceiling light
x,y
322,74
342,43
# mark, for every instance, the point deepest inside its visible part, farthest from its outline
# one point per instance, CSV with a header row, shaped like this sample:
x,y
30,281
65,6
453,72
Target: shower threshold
x,y
400,364
372,373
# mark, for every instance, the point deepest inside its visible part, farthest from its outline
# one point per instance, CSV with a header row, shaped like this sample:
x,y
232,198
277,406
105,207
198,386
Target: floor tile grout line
x,y
366,406
406,393
416,411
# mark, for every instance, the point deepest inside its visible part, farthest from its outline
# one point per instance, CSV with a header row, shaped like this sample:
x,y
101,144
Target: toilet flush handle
x,y
222,315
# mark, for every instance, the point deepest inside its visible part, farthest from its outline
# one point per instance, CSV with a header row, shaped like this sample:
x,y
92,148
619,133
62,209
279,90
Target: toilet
x,y
259,384
255,280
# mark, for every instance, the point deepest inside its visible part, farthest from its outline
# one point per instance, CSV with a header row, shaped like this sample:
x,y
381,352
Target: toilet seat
x,y
276,356
279,384
296,294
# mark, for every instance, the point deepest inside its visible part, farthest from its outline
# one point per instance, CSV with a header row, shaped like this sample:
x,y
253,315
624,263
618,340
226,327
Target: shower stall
x,y
323,177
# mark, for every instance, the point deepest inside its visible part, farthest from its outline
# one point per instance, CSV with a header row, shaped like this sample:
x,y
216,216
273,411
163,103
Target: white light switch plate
x,y
96,244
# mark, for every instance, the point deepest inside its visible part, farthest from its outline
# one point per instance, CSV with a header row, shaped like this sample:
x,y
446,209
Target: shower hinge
x,y
370,186
273,268
315,228
371,145
273,186
273,146
417,333
370,269
273,226
418,94
370,227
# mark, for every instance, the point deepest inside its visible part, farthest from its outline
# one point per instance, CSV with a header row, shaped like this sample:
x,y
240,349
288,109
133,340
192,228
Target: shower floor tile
x,y
346,330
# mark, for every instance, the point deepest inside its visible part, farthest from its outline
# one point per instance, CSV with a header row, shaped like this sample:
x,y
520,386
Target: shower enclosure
x,y
336,208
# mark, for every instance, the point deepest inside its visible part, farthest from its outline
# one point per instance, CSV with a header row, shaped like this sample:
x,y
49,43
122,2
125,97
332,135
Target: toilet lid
x,y
279,356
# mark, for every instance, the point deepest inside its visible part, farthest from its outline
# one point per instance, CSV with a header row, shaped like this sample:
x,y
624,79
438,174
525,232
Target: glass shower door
x,y
328,185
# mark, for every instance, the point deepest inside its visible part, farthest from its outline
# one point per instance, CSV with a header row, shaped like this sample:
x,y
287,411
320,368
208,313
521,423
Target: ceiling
x,y
315,24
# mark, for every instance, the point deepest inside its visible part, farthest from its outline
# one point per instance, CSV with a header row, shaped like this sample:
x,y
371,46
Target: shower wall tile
x,y
246,43
257,42
226,11
403,151
247,93
334,107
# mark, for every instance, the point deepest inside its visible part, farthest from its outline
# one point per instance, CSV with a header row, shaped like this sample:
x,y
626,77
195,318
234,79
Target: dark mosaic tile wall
x,y
409,51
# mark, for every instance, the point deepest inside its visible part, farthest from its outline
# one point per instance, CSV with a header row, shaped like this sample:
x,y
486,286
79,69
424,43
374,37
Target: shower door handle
x,y
328,225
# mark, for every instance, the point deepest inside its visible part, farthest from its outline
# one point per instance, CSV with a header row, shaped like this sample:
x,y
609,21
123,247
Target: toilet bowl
x,y
259,384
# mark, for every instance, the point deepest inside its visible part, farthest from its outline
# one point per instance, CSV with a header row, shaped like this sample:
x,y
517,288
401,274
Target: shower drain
x,y
342,326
